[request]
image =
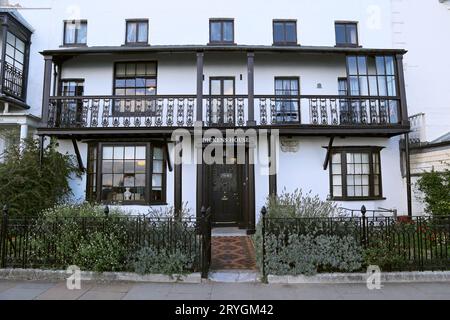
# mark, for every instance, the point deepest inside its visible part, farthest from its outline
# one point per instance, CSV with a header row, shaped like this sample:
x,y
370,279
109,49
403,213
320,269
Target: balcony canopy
x,y
76,51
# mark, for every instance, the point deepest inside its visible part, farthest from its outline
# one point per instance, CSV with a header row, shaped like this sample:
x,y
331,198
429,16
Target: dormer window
x,y
137,32
284,32
221,31
75,32
346,34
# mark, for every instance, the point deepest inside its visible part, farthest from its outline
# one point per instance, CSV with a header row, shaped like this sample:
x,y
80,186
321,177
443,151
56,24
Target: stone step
x,y
234,276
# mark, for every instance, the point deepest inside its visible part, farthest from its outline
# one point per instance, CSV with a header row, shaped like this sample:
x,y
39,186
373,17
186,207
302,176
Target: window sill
x,y
347,45
222,44
74,45
286,44
136,44
357,199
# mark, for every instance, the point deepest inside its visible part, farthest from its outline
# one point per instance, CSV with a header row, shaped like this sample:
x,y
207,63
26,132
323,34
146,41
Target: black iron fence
x,y
48,243
417,243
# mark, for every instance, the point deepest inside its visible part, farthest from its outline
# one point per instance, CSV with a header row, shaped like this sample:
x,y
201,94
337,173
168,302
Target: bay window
x,y
126,173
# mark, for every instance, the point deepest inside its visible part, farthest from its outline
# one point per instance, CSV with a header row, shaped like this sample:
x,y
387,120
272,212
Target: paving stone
x,y
150,291
60,292
21,294
5,285
102,295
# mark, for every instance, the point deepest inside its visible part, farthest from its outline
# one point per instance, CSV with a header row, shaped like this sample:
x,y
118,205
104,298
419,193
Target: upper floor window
x,y
287,108
284,32
221,31
73,108
14,79
137,32
346,33
15,51
355,173
75,32
134,79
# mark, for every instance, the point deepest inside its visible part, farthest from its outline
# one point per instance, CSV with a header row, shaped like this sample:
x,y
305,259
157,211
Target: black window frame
x,y
371,150
284,22
222,21
115,78
347,42
137,22
283,99
76,43
95,169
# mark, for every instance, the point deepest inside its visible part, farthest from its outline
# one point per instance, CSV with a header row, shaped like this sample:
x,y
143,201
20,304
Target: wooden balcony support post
x,y
47,88
402,90
4,34
200,63
251,88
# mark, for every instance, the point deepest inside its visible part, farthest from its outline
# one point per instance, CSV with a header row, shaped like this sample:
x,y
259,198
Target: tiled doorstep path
x,y
220,291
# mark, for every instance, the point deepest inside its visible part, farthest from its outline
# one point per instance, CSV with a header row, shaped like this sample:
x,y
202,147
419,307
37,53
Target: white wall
x,y
422,27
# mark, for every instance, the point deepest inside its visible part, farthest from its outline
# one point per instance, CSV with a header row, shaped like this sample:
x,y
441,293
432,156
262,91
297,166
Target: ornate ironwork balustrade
x,y
221,111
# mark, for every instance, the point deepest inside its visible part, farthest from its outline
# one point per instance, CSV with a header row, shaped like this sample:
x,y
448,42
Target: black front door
x,y
226,192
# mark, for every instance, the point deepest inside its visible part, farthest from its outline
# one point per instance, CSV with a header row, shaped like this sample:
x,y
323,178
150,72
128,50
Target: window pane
x,y
143,30
129,152
390,68
69,33
291,32
158,154
381,70
157,180
140,153
129,166
363,86
278,32
228,31
140,166
131,32
352,68
20,45
120,69
118,153
107,152
392,90
373,87
352,34
362,65
216,31
337,191
82,33
340,34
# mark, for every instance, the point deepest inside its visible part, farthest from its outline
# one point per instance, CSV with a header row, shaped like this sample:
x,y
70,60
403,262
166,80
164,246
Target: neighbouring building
x,y
321,83
426,84
16,120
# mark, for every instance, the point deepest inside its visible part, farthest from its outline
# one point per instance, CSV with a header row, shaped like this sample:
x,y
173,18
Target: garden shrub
x,y
29,187
436,189
149,261
307,255
306,247
299,205
81,235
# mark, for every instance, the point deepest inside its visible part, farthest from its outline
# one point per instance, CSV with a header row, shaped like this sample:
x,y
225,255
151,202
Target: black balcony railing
x,y
13,81
221,111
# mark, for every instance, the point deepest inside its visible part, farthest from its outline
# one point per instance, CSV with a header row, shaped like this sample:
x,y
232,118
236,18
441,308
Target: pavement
x,y
32,290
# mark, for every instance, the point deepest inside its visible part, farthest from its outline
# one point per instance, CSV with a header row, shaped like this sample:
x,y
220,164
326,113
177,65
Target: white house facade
x,y
316,90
